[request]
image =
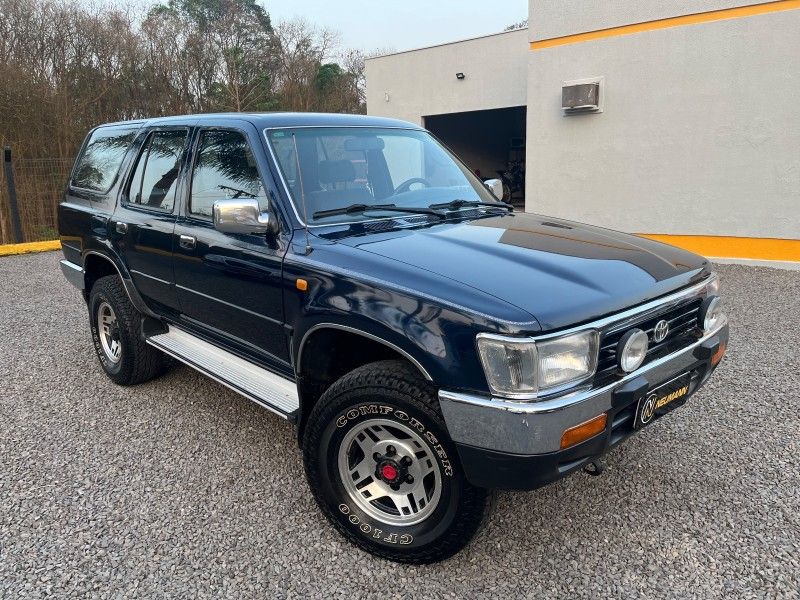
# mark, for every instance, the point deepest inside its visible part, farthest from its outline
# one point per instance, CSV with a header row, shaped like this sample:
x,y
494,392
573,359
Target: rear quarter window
x,y
98,165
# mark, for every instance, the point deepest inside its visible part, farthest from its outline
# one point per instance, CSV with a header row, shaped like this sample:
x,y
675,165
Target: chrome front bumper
x,y
528,428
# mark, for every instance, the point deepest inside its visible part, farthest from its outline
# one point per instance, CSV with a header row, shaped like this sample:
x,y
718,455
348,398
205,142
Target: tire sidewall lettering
x,y
402,539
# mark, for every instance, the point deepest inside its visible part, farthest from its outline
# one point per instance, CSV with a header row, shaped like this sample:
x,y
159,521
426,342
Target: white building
x,y
696,137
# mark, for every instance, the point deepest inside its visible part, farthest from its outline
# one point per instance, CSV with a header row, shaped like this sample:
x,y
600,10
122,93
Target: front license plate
x,y
662,399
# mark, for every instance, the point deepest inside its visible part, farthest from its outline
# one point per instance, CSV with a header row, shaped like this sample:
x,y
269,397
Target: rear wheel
x,y
384,470
125,357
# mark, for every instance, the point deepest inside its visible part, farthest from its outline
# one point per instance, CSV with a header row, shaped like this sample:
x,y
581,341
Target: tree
x,y
303,49
229,46
67,66
519,25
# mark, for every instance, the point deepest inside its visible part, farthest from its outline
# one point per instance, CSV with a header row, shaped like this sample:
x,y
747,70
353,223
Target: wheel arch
x,y
98,264
328,350
359,332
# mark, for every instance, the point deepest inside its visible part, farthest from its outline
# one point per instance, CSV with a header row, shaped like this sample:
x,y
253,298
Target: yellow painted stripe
x,y
9,249
733,247
693,19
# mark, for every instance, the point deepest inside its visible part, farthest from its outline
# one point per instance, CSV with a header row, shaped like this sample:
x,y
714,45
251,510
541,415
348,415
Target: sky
x,y
402,24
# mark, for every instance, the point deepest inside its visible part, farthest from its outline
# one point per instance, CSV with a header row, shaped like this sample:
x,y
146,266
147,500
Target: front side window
x,y
225,168
333,167
102,157
155,177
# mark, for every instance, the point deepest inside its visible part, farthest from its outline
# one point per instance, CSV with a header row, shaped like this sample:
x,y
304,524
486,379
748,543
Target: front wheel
x,y
384,470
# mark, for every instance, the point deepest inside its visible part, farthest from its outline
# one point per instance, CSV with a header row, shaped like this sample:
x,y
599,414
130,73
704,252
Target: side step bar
x,y
263,387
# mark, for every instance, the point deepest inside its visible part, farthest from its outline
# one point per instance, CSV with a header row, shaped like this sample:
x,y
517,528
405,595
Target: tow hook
x,y
594,468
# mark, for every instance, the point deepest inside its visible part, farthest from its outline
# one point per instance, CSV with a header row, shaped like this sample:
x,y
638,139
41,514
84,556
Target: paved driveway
x,y
180,488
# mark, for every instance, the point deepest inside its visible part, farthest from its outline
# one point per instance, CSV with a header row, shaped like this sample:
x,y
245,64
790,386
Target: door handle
x,y
188,242
121,227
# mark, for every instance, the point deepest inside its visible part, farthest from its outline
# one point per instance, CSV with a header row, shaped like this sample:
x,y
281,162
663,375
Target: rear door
x,y
92,190
229,285
144,221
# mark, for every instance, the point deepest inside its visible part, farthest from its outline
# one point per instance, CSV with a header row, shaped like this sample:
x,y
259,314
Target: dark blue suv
x,y
351,275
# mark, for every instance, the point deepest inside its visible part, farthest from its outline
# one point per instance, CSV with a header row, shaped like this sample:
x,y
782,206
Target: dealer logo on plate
x,y
649,409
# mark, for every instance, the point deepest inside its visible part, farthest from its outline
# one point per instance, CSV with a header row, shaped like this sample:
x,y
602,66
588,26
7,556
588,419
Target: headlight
x,y
567,359
521,367
711,314
509,364
712,287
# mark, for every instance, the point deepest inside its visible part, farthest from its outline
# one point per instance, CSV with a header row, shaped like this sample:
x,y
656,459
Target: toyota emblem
x,y
660,332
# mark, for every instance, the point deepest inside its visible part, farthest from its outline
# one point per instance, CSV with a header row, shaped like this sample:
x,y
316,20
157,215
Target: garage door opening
x,y
490,142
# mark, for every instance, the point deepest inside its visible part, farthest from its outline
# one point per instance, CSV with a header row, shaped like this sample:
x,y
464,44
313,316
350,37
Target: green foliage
x,y
328,76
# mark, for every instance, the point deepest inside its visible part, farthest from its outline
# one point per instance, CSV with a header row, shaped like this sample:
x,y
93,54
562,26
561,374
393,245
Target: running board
x,y
263,387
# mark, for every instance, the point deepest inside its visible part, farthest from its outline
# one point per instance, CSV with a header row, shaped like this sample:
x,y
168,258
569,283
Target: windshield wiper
x,y
456,204
360,208
237,191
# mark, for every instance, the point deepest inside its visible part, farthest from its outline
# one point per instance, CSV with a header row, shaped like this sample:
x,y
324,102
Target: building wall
x,y
699,141
423,82
700,132
557,18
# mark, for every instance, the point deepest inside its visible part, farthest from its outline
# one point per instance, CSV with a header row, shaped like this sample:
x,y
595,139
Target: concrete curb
x,y
12,249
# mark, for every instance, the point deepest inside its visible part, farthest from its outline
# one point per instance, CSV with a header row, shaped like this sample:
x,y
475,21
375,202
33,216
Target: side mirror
x,y
242,215
496,187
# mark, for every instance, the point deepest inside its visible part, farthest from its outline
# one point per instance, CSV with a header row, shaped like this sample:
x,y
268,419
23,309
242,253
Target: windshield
x,y
342,166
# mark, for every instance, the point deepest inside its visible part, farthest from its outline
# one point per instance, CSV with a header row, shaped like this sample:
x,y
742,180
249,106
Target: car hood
x,y
563,273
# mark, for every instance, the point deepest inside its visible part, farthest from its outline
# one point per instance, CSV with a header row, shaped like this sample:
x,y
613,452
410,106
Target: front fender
x,y
439,338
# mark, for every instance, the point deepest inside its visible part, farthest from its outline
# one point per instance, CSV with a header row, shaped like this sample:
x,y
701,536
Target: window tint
x,y
225,168
155,177
333,167
98,165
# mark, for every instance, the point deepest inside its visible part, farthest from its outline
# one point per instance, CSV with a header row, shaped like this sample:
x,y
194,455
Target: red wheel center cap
x,y
389,472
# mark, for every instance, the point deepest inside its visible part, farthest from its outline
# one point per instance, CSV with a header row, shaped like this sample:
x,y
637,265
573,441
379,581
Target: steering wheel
x,y
404,187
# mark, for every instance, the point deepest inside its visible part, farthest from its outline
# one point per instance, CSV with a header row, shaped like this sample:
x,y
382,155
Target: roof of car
x,y
282,119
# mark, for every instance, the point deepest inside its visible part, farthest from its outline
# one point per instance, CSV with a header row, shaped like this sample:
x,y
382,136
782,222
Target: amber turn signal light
x,y
302,285
719,353
582,432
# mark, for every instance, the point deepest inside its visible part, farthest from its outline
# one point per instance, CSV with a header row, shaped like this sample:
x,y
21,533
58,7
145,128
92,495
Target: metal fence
x,y
29,197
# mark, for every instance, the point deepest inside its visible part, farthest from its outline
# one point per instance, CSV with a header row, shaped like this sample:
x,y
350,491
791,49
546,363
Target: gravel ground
x,y
180,488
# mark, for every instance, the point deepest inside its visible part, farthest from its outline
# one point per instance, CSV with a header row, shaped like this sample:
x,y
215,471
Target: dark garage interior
x,y
488,141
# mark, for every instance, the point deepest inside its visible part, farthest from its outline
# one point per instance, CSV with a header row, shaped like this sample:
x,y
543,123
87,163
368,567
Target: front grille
x,y
683,329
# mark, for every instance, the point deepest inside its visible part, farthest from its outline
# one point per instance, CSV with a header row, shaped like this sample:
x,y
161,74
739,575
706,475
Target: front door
x,y
144,221
229,285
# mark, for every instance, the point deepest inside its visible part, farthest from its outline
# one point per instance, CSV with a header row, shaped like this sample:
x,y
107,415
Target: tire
x,y
389,405
124,355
